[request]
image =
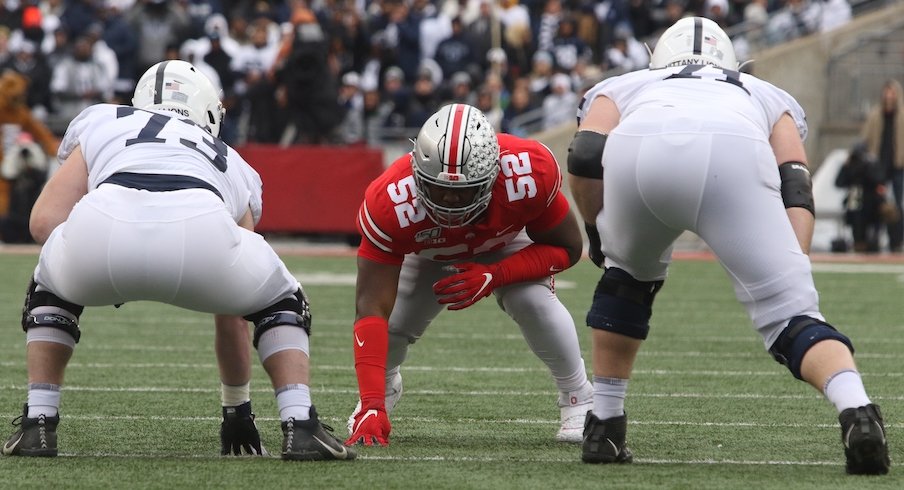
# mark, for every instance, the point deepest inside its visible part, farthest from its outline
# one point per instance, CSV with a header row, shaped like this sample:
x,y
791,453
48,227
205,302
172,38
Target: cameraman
x,y
864,179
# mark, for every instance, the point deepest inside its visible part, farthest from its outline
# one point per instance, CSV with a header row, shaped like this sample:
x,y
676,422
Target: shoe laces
x,y
42,432
17,422
290,432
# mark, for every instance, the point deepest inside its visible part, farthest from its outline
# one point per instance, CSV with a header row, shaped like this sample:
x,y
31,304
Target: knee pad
x,y
796,339
54,312
622,304
294,311
280,338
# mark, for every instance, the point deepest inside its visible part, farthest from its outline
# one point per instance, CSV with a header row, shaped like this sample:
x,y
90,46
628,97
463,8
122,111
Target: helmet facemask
x,y
457,152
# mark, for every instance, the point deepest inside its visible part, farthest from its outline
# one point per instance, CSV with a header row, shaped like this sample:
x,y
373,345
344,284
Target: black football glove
x,y
595,249
238,432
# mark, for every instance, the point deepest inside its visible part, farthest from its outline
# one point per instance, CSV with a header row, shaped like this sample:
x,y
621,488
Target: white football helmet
x,y
456,148
178,86
694,41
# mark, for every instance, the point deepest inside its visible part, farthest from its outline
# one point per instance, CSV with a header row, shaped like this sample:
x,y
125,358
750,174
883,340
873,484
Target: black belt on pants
x,y
159,182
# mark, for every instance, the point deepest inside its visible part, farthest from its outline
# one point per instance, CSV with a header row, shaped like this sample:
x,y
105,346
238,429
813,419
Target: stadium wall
x,y
310,189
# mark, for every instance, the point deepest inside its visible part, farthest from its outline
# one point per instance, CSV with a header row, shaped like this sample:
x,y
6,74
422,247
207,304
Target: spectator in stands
x,y
516,35
58,49
717,11
548,24
254,87
883,132
403,28
455,53
482,31
424,101
5,54
304,78
540,75
435,26
78,80
221,61
494,81
351,130
834,14
32,29
797,18
462,89
101,52
487,104
198,12
396,97
756,16
157,24
376,110
28,61
521,107
78,16
558,106
627,53
568,49
349,28
119,37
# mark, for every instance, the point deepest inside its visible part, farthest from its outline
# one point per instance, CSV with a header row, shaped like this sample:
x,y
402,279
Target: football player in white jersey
x,y
692,144
150,205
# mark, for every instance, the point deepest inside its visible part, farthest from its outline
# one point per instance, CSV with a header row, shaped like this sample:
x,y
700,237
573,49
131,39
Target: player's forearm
x,y
535,261
371,338
802,221
588,196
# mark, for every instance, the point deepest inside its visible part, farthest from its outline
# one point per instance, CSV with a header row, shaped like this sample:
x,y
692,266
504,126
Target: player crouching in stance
x,y
695,145
464,215
150,205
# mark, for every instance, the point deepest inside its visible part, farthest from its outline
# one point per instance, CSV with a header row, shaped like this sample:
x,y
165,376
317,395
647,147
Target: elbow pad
x,y
585,154
797,188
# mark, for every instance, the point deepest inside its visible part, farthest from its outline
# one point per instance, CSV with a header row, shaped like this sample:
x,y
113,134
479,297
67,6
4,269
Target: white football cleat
x,y
393,394
573,409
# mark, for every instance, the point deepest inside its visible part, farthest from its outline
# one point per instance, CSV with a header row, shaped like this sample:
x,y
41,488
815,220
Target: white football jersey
x,y
702,88
116,138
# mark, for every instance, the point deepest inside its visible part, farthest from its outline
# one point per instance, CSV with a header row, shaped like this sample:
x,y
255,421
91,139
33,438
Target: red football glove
x,y
371,427
471,282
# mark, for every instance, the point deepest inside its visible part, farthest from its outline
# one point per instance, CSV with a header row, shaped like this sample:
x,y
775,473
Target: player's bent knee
x,y
45,309
294,311
622,304
802,333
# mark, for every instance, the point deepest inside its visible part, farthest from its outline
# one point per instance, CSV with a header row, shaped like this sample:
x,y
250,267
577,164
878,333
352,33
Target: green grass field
x,y
708,408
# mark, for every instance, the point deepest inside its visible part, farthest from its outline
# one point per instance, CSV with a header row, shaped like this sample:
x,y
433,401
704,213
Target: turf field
x,y
708,408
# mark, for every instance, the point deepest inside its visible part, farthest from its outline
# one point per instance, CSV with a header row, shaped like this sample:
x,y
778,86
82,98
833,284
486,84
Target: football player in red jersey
x,y
467,213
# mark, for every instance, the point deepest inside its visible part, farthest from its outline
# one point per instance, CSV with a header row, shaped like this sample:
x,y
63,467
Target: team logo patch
x,y
433,235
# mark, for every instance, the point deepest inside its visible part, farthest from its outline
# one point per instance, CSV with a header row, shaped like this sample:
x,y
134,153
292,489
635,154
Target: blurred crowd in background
x,y
358,71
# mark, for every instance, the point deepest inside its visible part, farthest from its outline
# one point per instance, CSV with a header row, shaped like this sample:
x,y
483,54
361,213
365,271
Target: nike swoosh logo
x,y
554,269
359,341
486,282
369,413
338,454
504,230
10,446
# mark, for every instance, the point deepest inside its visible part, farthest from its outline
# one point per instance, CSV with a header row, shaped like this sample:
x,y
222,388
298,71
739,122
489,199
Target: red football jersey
x,y
526,194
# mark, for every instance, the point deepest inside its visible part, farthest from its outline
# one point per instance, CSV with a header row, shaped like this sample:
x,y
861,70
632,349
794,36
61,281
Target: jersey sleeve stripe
x,y
370,229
